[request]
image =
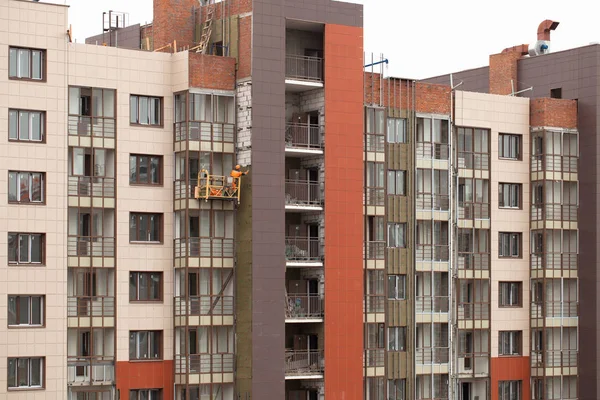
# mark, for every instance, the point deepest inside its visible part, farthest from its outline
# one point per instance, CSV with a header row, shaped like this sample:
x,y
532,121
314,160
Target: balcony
x,y
480,161
555,309
431,355
470,311
374,197
554,212
375,143
554,358
204,363
375,357
468,210
433,202
203,247
88,126
304,308
90,370
91,186
473,364
554,163
433,252
374,303
90,246
303,195
303,252
303,72
432,151
96,306
203,305
431,304
199,131
304,364
375,250
474,261
566,261
303,139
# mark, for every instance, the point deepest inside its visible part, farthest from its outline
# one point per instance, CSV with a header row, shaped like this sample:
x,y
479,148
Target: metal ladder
x,y
206,29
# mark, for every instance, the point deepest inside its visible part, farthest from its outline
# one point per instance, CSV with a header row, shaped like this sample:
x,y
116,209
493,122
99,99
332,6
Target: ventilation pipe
x,y
542,46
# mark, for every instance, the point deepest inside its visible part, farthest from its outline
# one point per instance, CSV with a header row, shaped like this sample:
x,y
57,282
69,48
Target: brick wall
x,y
226,9
432,98
245,47
503,69
244,123
174,20
211,72
146,31
558,113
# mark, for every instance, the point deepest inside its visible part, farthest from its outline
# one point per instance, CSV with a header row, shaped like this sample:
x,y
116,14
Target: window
x,y
396,287
509,195
145,227
510,294
145,345
145,110
556,93
375,120
509,244
509,146
26,248
509,343
397,338
145,394
509,390
396,389
25,310
26,187
26,126
396,235
145,170
145,286
397,182
26,64
25,373
396,130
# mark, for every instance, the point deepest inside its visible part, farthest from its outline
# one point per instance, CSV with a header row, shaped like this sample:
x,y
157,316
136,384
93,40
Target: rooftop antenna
x,y
512,89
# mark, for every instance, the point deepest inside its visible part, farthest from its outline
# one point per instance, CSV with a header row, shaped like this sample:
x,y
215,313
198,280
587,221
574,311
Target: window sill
x,y
16,78
509,208
27,141
26,265
134,125
146,184
510,355
509,159
152,360
17,327
24,389
27,203
501,306
144,242
161,301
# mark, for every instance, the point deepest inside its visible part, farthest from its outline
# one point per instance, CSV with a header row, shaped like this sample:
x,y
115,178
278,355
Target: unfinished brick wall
x,y
433,99
146,31
557,113
244,122
245,47
211,72
174,20
503,69
226,9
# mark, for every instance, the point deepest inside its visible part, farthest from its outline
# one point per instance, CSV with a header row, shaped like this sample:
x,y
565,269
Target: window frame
x,y
396,338
42,261
30,187
42,371
135,394
398,227
511,187
149,169
506,303
157,335
138,216
510,236
43,64
393,176
501,150
17,297
394,134
398,282
149,98
515,341
43,125
138,275
505,387
396,389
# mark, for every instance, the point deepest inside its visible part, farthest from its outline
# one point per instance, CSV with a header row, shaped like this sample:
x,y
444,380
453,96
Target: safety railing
x,y
554,212
473,311
476,261
554,358
375,303
375,250
302,193
374,196
204,363
88,306
90,370
204,131
203,305
203,247
432,151
431,355
304,68
375,357
306,306
556,163
554,260
468,210
94,186
303,362
435,202
375,143
433,252
88,126
555,309
302,249
480,161
431,304
90,246
303,136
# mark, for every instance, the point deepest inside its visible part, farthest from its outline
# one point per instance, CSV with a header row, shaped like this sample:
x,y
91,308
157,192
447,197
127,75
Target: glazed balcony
x,y
471,311
433,202
375,250
94,246
90,306
555,309
91,186
203,247
374,303
303,250
303,138
480,161
433,252
303,195
554,163
201,131
203,305
91,126
431,355
374,197
304,308
470,210
554,212
90,370
431,304
204,363
432,151
554,358
375,357
474,261
568,261
303,364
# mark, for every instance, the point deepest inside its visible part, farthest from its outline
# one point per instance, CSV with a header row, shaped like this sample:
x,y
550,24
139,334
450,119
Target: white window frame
x,y
396,340
18,51
16,299
30,184
393,134
396,235
511,192
396,182
29,372
396,287
135,108
14,125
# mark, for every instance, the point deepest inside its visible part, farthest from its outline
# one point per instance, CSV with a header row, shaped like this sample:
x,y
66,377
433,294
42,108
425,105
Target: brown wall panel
x,y
396,315
510,369
145,375
396,365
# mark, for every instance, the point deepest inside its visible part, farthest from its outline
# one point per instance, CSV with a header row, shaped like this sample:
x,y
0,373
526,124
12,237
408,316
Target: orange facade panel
x,y
510,369
343,214
145,375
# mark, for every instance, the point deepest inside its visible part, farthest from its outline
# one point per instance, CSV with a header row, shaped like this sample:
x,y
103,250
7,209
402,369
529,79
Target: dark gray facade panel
x,y
474,80
125,38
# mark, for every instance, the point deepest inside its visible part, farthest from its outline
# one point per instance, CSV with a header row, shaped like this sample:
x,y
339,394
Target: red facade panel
x,y
145,375
510,369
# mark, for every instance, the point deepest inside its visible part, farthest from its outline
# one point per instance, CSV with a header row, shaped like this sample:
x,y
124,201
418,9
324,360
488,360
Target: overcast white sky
x,y
420,38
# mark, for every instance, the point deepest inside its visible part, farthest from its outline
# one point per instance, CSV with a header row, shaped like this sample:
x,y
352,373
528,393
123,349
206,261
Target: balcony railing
x,y
432,151
555,309
556,163
480,161
303,362
554,358
375,357
204,363
203,305
468,311
90,370
432,252
94,186
90,246
375,250
303,136
468,210
554,212
476,261
304,68
431,355
375,303
203,247
96,306
298,249
431,304
436,202
375,143
374,196
300,306
204,131
302,193
554,260
88,126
